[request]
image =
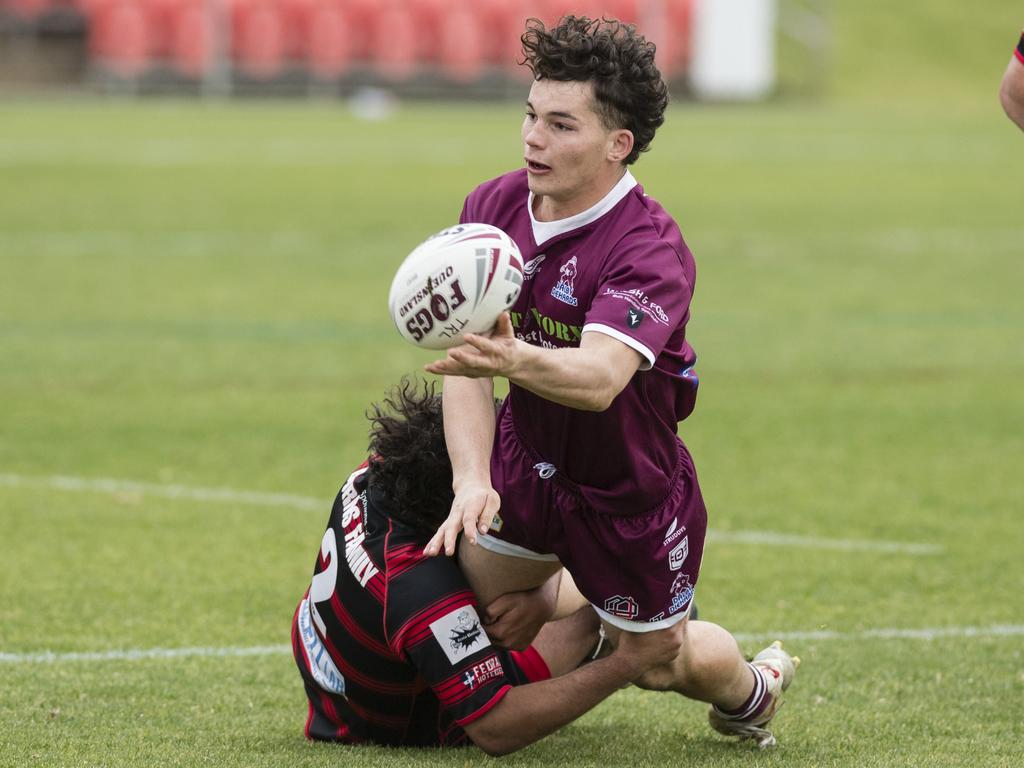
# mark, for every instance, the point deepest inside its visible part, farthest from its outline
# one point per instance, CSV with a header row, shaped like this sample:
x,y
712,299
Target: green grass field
x,y
192,297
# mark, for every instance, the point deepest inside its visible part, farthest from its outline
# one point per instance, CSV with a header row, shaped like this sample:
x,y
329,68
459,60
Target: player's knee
x,y
661,678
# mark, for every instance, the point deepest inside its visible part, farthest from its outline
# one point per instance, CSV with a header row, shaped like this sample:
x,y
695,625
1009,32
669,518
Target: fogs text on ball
x,y
456,282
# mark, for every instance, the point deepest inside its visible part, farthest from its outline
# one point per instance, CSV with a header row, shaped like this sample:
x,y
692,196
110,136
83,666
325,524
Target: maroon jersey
x,y
389,642
620,268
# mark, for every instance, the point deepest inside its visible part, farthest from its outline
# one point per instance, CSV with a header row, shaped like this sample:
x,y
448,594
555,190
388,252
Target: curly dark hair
x,y
409,462
628,87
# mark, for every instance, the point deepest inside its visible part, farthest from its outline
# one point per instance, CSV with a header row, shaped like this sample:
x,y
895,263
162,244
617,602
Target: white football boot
x,y
778,669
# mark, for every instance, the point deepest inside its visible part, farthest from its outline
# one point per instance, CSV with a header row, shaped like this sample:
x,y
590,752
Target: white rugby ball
x,y
456,282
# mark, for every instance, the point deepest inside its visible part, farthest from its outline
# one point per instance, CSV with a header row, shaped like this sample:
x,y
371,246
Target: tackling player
x,y
1011,90
584,460
390,643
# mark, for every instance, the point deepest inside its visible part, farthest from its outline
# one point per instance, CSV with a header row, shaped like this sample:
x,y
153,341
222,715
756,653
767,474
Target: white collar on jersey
x,y
545,230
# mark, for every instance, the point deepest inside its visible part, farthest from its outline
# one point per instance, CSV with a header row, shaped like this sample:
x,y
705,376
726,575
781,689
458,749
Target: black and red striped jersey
x,y
1019,53
389,637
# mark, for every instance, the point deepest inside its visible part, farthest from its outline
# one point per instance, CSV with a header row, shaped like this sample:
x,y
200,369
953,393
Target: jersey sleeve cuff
x,y
1019,53
486,707
629,341
532,664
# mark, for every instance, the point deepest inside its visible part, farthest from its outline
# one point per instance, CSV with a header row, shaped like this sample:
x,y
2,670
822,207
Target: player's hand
x,y
481,355
515,618
473,510
644,650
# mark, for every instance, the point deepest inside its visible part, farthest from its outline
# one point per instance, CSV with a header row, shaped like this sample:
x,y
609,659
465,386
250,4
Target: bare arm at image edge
x,y
1011,92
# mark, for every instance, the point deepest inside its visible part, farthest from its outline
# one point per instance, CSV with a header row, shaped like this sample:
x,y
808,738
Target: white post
x,y
733,49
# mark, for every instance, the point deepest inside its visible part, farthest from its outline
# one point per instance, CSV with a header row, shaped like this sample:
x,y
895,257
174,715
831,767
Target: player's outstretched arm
x,y
530,712
468,432
587,377
1011,91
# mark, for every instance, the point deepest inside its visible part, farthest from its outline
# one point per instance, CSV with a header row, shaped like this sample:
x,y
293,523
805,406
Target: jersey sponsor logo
x,y
682,592
624,607
639,301
488,669
530,268
497,523
673,532
546,327
459,633
565,287
321,665
678,556
352,523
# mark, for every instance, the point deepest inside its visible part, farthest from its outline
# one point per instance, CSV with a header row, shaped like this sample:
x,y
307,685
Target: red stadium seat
x,y
120,37
161,15
295,20
258,43
462,45
502,23
362,19
431,18
190,38
329,47
395,42
678,40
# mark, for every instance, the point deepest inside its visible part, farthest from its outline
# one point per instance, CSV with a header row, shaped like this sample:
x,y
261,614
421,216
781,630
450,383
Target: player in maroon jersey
x,y
390,642
584,460
1011,91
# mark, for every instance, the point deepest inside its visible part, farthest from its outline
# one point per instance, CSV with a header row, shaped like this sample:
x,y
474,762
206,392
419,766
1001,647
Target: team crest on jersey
x,y
459,633
633,317
682,592
565,287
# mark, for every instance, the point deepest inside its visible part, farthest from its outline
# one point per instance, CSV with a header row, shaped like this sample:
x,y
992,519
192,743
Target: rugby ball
x,y
455,282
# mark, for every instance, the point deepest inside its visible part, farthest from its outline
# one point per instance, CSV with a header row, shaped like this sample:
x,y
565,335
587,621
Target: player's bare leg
x,y
711,668
568,642
491,575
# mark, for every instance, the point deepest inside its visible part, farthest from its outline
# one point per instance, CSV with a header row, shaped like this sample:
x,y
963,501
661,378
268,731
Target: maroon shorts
x,y
639,571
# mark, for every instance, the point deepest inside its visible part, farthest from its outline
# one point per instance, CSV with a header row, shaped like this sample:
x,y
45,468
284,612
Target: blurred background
x,y
422,48
468,48
202,204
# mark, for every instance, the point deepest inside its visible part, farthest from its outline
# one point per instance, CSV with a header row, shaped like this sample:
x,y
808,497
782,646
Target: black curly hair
x,y
628,87
409,462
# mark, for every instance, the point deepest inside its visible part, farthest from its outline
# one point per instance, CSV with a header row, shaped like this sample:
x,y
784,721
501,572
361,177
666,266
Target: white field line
x,y
192,493
814,542
890,633
292,501
49,657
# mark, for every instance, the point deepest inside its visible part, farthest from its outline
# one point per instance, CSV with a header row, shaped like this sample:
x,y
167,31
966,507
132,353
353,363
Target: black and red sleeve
x,y
432,621
1019,53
